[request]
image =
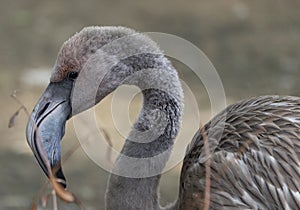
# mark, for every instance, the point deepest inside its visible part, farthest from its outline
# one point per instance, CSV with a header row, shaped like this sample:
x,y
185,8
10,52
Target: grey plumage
x,y
255,165
254,161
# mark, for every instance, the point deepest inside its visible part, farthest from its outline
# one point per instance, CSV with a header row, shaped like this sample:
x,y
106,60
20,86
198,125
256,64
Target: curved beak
x,y
46,127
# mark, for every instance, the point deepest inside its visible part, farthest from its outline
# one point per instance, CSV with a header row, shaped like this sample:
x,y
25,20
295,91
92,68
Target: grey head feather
x,y
78,48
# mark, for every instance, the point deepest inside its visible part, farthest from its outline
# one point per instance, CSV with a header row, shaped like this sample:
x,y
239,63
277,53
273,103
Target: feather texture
x,y
255,162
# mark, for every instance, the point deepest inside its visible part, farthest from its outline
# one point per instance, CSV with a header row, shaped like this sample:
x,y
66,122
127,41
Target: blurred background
x,y
254,45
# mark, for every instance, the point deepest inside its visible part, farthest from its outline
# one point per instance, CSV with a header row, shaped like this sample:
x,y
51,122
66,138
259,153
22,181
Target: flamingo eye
x,y
72,75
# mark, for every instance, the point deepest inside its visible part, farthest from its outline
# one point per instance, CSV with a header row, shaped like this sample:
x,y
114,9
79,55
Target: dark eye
x,y
73,75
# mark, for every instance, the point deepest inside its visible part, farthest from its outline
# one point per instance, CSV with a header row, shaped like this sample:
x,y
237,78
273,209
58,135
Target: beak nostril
x,y
42,110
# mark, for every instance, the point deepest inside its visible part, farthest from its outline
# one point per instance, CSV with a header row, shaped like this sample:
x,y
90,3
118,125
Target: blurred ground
x,y
254,45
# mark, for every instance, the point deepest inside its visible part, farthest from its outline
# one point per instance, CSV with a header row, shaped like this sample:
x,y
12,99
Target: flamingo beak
x,y
46,127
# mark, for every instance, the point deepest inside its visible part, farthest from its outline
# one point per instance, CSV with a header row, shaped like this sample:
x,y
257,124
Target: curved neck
x,y
134,180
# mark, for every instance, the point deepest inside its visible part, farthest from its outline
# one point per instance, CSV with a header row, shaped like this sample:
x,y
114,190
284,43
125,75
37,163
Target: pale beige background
x,y
254,45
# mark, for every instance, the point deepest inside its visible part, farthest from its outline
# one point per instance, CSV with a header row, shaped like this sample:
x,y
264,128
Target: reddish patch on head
x,y
71,57
75,51
63,66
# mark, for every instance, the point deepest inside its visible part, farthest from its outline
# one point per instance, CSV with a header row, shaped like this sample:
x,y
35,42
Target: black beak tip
x,y
61,178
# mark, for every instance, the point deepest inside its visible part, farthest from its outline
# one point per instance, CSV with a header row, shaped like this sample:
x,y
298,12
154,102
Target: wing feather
x,y
254,151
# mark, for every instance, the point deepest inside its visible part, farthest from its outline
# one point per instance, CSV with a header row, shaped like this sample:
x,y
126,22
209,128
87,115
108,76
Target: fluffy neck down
x,y
134,180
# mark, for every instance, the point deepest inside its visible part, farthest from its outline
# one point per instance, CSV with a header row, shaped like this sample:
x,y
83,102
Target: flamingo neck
x,y
134,180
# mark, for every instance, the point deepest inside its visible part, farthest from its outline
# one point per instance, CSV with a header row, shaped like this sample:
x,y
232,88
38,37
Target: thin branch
x,y
54,199
207,170
108,140
14,96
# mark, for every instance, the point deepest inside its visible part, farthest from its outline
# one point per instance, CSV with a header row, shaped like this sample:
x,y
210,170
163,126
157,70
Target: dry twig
x,y
206,203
